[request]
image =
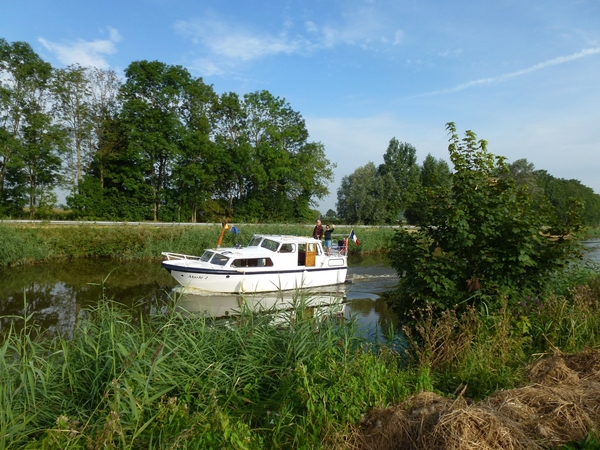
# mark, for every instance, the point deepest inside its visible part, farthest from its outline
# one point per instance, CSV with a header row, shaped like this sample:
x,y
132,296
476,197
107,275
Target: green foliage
x,y
400,175
483,240
27,244
483,351
373,195
166,148
176,380
436,180
358,198
31,142
591,442
561,193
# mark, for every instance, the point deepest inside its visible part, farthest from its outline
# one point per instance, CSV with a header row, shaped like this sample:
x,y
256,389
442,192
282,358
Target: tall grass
x,y
261,381
177,381
482,351
24,244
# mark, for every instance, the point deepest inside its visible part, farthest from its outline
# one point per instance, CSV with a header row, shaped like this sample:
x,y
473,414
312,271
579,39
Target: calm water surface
x,y
56,293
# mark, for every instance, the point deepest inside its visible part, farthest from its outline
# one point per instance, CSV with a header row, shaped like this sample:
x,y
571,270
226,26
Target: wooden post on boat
x,y
223,228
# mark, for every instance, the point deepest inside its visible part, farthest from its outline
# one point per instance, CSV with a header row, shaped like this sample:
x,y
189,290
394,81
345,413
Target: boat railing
x,y
338,250
174,256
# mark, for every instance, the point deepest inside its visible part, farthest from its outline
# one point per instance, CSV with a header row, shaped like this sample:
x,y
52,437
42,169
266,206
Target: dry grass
x,y
561,405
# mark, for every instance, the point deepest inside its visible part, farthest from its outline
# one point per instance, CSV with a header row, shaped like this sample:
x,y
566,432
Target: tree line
x,y
400,189
159,144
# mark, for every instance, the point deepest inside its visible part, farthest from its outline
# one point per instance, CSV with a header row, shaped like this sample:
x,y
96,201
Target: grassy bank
x,y
23,244
592,233
173,381
179,382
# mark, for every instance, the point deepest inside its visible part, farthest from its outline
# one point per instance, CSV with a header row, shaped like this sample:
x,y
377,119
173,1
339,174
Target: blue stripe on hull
x,y
240,271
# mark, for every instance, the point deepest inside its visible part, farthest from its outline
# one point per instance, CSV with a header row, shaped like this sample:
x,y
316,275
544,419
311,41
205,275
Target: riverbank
x,y
25,243
174,381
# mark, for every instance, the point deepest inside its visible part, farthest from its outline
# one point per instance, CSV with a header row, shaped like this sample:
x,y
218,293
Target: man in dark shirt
x,y
318,230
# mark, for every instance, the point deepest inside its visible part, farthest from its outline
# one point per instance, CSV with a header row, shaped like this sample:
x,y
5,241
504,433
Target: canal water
x,y
56,293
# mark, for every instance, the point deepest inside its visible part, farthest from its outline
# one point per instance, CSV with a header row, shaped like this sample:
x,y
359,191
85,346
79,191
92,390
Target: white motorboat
x,y
269,263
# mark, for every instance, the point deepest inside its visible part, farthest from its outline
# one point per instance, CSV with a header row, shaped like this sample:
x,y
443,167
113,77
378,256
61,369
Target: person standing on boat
x,y
318,231
328,231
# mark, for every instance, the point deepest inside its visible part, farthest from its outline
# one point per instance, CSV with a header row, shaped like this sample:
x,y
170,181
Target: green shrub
x,y
484,241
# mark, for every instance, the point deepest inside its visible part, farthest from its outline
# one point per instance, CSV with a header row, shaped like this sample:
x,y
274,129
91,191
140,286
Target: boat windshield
x,y
206,256
255,241
270,245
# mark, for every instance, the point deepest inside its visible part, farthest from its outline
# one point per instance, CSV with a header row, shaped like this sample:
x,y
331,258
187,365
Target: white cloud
x,y
311,27
85,53
398,37
501,78
228,43
207,67
234,42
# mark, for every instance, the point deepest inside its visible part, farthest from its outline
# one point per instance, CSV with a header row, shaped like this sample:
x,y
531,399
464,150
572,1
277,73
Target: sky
x,y
523,75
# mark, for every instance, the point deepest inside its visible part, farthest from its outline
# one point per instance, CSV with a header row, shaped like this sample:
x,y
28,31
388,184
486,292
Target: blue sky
x,y
525,76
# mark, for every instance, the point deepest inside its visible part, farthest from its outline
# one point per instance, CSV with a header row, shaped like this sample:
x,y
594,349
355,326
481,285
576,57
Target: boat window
x,y
206,256
269,245
219,259
252,262
255,241
287,248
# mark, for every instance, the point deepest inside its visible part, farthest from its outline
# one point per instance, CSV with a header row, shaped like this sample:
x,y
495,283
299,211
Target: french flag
x,y
354,238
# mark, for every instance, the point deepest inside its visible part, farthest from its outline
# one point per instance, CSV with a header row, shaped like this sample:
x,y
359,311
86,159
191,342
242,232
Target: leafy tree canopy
x,y
481,240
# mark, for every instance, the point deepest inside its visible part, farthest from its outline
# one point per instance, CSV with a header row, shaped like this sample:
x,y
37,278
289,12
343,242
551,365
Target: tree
x,y
524,174
269,169
232,151
435,180
194,176
287,173
402,186
561,193
43,145
105,107
73,109
481,242
435,172
152,97
30,141
359,196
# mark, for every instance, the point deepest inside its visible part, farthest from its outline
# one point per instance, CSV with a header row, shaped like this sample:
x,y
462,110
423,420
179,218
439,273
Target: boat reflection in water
x,y
322,302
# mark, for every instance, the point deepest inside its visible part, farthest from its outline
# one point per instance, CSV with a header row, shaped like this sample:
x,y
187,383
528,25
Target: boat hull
x,y
251,281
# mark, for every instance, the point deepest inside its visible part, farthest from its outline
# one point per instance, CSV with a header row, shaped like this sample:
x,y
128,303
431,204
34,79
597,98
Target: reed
x,y
173,380
484,352
21,244
260,380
